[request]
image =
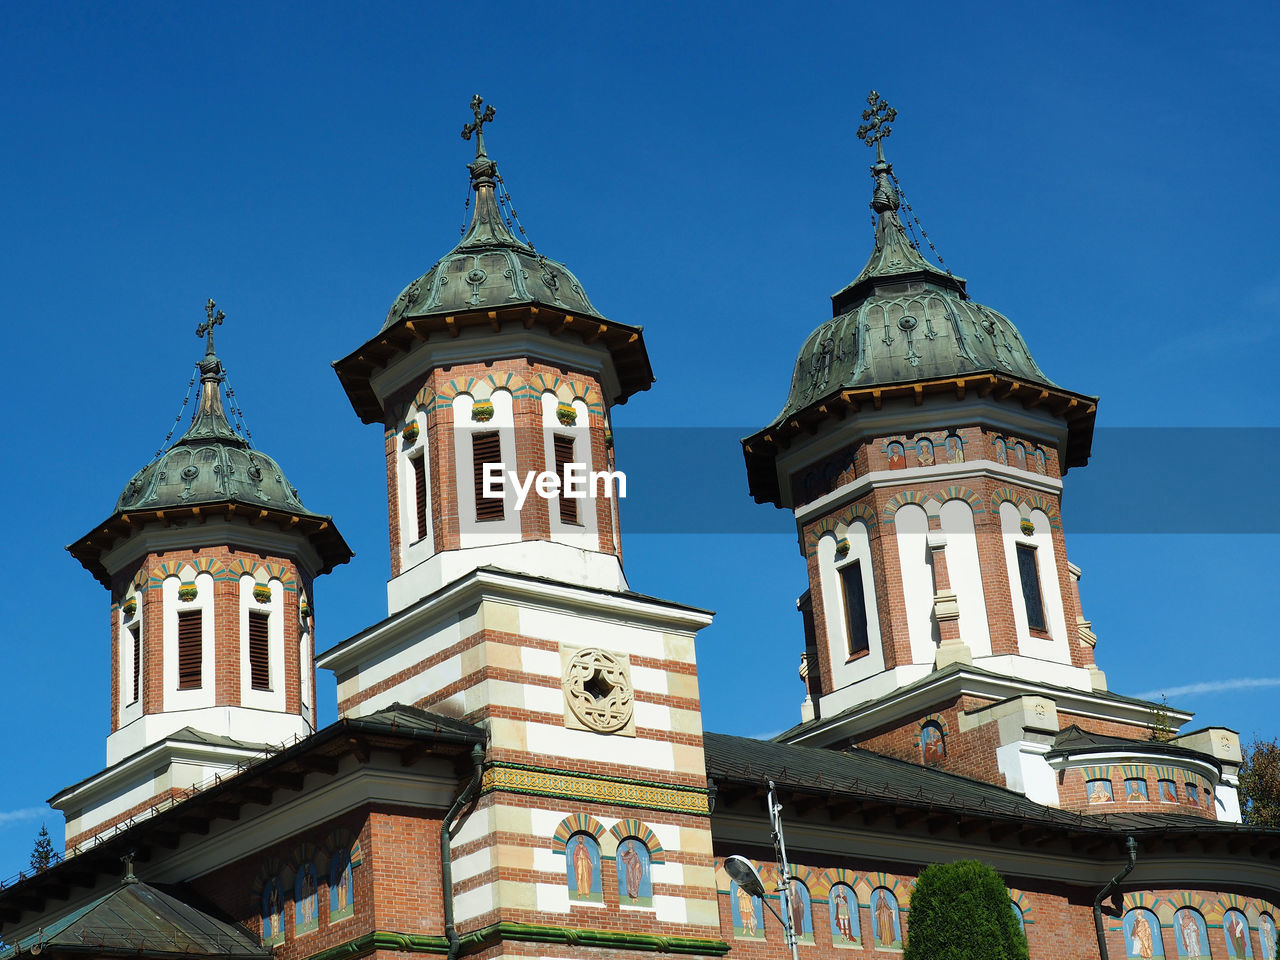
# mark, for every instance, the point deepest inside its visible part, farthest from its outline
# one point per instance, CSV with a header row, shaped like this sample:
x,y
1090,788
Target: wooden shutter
x,y
564,456
259,664
190,649
420,494
855,608
137,662
1029,571
485,448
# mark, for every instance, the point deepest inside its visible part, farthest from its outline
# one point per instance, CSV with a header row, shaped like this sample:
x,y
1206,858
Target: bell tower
x,y
210,558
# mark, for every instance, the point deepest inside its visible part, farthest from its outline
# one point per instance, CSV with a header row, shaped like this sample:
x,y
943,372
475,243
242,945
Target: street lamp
x,y
745,875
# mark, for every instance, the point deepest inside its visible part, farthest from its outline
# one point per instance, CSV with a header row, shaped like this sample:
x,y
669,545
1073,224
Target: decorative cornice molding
x,y
537,781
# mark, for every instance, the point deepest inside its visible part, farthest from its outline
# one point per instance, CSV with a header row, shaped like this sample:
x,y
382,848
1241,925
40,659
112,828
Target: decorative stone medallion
x,y
597,690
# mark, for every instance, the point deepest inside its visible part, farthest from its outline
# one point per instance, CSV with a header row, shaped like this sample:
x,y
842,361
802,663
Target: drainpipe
x,y
446,864
1114,882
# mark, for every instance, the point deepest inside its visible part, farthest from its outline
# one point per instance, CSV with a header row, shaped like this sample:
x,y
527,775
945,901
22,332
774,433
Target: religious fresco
x,y
1020,456
1017,915
843,907
924,452
1099,791
635,885
342,901
582,863
1235,927
1002,450
933,744
886,927
1193,794
955,449
306,900
1190,934
801,912
1142,935
1039,461
1136,790
272,912
897,456
1267,936
748,912
1168,791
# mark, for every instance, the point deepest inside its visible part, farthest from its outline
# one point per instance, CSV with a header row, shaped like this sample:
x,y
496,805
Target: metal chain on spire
x,y
916,220
237,415
178,419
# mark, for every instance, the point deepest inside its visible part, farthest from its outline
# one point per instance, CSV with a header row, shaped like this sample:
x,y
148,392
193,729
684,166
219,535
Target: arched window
x,y
342,888
933,743
801,912
1267,936
843,906
1142,935
1235,927
886,926
1190,934
582,863
747,911
635,885
306,901
272,912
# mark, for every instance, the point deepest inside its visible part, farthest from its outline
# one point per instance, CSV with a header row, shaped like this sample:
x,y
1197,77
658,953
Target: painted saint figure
x,y
955,449
1237,931
897,457
1099,791
747,911
1190,932
924,452
885,934
797,909
1142,944
1267,937
583,869
634,870
843,924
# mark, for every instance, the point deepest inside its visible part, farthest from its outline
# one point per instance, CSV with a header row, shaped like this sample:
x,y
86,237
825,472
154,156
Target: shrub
x,y
962,911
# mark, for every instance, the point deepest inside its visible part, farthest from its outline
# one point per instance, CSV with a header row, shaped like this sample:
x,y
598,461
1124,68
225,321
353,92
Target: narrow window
x,y
190,652
564,457
485,448
855,608
419,467
136,639
259,664
1030,574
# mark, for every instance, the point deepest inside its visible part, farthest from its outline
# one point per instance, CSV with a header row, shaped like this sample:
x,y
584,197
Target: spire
x,y
487,225
210,421
894,253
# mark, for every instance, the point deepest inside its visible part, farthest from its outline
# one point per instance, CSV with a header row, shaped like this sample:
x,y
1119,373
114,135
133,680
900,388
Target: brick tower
x,y
209,556
922,451
516,616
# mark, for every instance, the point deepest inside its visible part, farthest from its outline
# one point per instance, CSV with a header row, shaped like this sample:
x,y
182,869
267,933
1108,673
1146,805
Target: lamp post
x,y
746,876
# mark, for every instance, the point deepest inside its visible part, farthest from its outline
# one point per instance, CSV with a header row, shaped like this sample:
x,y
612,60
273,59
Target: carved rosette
x,y
597,690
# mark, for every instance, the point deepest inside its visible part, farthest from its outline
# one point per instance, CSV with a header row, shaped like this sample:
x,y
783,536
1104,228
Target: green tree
x,y
42,853
1260,783
962,911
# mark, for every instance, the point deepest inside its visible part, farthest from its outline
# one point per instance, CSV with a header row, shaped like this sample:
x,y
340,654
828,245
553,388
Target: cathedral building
x,y
519,767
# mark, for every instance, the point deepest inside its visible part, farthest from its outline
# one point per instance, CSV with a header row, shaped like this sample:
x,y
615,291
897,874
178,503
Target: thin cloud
x,y
26,813
1211,686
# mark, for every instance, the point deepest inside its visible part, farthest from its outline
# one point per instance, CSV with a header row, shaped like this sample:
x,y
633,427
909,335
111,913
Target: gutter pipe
x,y
1132,846
446,835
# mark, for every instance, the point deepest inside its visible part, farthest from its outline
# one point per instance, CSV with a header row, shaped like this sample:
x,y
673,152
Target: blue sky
x,y
1102,175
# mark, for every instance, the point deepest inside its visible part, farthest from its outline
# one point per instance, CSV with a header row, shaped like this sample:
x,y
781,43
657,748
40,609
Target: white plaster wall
x,y
843,670
473,533
1056,648
1227,800
965,574
583,533
272,698
304,678
130,709
202,696
1026,771
912,528
412,548
556,741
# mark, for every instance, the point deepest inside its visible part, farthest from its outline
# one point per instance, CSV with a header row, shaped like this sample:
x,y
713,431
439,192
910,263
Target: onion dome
x,y
491,278
211,469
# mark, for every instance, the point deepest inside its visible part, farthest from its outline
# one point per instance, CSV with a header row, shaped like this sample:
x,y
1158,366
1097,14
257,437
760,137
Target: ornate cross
x,y
477,127
878,118
211,320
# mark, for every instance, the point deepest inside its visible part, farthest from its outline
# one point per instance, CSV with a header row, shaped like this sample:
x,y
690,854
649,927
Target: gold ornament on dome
x,y
597,687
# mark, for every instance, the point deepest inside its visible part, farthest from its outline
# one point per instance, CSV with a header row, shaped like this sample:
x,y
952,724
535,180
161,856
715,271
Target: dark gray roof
x,y
861,773
140,920
399,718
1073,742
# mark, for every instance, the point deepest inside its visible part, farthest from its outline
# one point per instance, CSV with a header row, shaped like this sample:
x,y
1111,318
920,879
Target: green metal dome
x,y
902,320
490,268
211,463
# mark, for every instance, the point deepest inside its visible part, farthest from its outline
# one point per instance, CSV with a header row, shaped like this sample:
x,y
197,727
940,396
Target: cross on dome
x,y
878,116
211,320
477,126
